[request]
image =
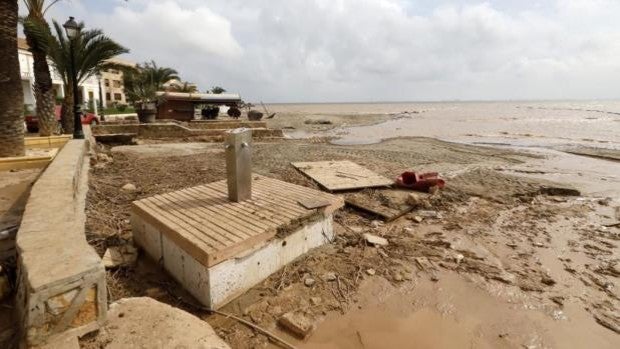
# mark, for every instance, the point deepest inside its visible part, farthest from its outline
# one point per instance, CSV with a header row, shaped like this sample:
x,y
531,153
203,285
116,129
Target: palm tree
x,y
159,75
91,48
218,90
11,97
185,87
43,87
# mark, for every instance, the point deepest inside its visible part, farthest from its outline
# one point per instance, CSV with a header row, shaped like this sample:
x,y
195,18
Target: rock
x,y
417,219
309,282
315,300
408,230
146,323
375,240
331,276
376,224
458,258
398,277
129,187
370,272
547,280
605,202
297,324
120,256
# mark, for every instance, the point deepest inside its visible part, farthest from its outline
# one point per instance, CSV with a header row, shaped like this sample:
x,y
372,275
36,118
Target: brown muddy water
x,y
459,310
557,130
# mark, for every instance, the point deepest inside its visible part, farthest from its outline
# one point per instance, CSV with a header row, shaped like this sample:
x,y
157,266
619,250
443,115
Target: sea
x,y
540,123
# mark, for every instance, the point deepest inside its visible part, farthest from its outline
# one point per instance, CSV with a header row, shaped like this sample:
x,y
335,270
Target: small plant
x,y
121,107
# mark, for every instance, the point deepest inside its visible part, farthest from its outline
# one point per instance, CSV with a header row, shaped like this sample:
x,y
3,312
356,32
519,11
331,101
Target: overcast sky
x,y
372,50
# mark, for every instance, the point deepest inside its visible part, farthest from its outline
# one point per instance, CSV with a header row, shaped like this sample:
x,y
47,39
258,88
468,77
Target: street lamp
x,y
101,113
73,30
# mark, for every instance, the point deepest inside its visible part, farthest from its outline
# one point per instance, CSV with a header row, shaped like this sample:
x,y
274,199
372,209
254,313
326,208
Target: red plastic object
x,y
420,181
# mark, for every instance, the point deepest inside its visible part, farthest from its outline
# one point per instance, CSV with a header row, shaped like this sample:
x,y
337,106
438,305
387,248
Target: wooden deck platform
x,y
210,228
341,175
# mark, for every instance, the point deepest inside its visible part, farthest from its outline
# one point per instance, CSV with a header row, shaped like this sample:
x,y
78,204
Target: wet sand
x,y
501,265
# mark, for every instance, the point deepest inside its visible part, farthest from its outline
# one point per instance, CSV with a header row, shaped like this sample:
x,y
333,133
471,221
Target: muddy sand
x,y
493,260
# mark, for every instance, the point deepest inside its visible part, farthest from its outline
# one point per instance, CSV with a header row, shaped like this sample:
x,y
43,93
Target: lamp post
x,y
101,113
73,29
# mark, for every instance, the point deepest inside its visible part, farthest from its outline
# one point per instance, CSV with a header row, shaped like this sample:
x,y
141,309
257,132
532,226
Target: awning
x,y
224,98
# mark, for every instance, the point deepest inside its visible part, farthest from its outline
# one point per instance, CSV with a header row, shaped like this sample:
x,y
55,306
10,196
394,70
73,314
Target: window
x,y
107,83
118,97
116,83
108,96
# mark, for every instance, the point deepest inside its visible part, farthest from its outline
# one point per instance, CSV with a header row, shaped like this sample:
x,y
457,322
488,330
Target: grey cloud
x,y
350,50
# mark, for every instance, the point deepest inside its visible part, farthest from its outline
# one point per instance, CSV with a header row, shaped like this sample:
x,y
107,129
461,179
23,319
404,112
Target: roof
x,y
201,97
22,44
121,62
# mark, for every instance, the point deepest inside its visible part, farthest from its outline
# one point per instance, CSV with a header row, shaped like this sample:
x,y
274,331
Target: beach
x,y
519,250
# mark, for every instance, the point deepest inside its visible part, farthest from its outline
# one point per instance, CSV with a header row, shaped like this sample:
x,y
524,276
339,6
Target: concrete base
x,y
221,283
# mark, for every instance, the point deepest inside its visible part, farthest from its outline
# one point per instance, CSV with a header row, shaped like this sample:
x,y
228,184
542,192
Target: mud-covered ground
x,y
496,260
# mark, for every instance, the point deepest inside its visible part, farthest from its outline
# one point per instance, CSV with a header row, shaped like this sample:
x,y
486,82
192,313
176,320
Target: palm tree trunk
x,y
67,111
11,97
43,88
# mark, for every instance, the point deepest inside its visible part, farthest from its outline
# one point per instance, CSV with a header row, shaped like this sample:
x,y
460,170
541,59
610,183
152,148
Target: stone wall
x,y
61,280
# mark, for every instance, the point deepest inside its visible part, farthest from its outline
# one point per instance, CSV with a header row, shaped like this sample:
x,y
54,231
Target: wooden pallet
x,y
205,224
341,175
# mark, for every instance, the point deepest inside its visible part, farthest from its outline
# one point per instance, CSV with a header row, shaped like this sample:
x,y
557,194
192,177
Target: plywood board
x,y
388,204
341,175
208,226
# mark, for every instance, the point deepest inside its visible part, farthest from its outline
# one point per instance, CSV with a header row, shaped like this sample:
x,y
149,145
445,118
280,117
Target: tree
x,y
91,48
185,87
159,76
218,90
43,87
11,95
142,82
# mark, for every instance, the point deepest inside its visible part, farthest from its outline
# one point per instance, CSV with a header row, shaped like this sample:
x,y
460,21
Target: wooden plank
x,y
341,175
388,204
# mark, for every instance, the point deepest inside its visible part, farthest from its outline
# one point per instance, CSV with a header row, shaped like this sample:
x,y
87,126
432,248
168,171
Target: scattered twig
x,y
251,325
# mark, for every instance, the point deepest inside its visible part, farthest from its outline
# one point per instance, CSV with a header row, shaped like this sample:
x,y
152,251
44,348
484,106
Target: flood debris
x,y
317,122
309,282
375,240
559,191
297,324
129,187
120,256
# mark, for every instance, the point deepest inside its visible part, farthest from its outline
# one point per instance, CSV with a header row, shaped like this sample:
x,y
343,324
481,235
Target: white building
x,y
89,88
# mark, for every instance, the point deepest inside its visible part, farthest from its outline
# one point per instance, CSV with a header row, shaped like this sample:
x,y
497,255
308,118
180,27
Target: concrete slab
x,y
147,323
